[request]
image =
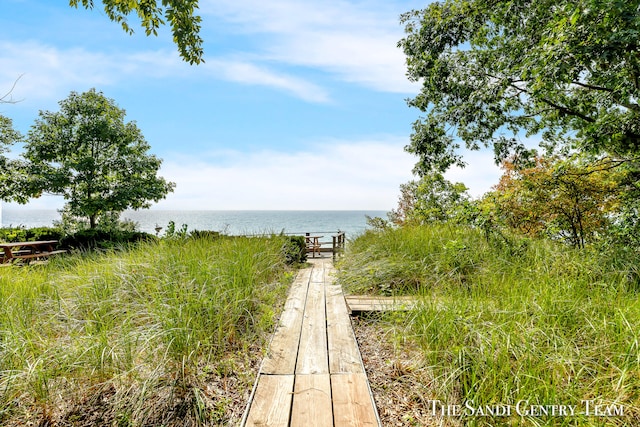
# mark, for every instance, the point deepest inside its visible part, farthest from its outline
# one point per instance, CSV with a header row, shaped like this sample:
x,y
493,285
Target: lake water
x,y
229,222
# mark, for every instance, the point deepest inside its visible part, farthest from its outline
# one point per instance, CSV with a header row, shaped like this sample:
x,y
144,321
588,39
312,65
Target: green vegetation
x,y
10,187
148,335
566,71
179,14
87,153
510,319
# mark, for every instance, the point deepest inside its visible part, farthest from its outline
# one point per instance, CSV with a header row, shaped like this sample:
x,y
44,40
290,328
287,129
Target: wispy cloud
x,y
50,73
251,74
355,42
287,44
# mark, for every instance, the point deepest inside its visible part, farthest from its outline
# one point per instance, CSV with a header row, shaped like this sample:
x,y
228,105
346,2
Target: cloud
x,y
480,174
248,73
284,45
50,73
356,42
331,175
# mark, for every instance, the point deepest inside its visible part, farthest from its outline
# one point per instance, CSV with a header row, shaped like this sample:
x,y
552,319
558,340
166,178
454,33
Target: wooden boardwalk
x,y
313,375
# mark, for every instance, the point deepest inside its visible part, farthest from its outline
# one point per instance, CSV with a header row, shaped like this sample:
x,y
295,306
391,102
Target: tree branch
x,y
3,99
593,87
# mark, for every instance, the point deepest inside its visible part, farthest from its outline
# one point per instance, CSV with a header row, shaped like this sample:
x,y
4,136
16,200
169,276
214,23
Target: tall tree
x,y
87,153
493,71
180,14
14,181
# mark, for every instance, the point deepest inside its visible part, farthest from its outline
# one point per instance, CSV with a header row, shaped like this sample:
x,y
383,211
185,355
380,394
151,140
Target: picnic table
x,y
313,244
28,250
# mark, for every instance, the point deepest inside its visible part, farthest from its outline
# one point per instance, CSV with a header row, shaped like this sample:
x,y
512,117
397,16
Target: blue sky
x,y
299,105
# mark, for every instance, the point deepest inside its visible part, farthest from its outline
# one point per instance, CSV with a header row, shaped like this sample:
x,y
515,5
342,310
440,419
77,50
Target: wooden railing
x,y
338,243
328,241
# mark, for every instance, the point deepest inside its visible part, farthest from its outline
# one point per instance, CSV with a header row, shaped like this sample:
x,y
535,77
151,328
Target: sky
x,y
300,104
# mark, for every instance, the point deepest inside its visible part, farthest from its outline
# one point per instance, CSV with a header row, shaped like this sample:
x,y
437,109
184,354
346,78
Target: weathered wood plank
x,y
317,273
358,303
344,355
281,356
330,273
271,404
312,401
312,352
352,401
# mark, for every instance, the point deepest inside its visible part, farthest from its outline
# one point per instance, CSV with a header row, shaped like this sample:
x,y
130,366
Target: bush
x,y
295,250
204,234
100,239
21,234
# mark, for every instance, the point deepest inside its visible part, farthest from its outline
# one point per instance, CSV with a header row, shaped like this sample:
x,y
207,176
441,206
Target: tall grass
x,y
502,323
135,334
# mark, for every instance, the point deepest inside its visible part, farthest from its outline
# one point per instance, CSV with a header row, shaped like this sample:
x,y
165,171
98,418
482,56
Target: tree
x,y
180,14
7,98
87,153
431,199
492,71
568,199
14,180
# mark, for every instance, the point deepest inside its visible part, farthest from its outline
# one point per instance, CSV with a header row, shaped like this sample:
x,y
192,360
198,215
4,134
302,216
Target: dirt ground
x,y
400,380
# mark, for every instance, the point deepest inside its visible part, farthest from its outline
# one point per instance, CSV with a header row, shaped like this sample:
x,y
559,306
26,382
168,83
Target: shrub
x,y
100,239
21,234
295,250
204,234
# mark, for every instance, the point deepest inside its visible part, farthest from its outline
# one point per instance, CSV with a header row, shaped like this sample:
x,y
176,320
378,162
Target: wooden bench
x,y
27,251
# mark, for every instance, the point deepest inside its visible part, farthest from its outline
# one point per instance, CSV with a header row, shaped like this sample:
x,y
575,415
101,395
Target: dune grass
x,y
530,321
138,336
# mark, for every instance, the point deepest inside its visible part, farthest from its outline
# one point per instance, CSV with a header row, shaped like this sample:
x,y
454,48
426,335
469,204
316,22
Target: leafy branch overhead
x,y
179,14
491,72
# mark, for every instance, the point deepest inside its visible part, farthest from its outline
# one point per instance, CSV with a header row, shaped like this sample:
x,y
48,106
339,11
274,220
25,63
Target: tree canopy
x,y
12,171
495,71
179,14
87,153
571,199
430,199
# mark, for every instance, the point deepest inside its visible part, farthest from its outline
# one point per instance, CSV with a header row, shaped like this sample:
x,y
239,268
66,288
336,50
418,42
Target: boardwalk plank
x,y
317,274
281,358
352,402
271,404
344,355
312,401
312,352
330,273
359,303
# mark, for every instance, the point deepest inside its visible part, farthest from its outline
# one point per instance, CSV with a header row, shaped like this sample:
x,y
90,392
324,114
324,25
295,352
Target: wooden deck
x,y
312,374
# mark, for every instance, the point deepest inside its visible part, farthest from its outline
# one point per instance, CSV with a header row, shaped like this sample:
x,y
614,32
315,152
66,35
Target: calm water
x,y
230,222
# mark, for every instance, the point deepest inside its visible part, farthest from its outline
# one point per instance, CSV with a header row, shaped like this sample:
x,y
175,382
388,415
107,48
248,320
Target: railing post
x,y
338,243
